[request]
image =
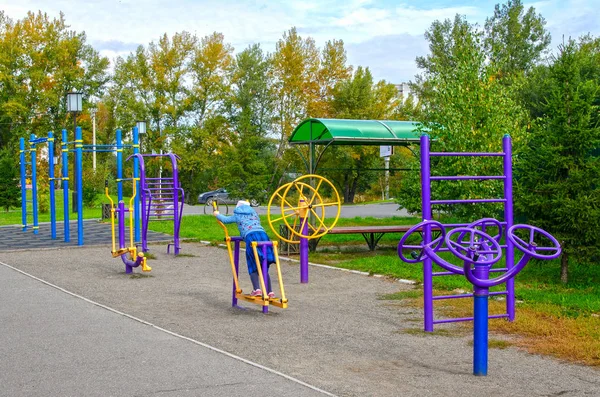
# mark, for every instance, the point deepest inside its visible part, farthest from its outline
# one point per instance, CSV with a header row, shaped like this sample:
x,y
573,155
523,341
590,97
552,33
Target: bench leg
x,y
372,239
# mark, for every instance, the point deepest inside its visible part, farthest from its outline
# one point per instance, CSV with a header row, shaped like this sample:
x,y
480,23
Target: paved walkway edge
x,y
170,332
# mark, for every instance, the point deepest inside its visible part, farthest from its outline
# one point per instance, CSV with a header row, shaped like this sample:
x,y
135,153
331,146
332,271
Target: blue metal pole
x,y
51,178
480,323
120,170
34,185
23,164
480,336
136,211
78,159
65,183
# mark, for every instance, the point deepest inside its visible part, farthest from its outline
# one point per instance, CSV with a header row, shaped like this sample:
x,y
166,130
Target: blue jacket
x,y
246,218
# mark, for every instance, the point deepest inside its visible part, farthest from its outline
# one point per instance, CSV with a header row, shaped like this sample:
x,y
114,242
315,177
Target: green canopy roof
x,y
355,132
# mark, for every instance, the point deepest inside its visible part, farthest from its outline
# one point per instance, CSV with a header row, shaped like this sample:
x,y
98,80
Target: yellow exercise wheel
x,y
300,206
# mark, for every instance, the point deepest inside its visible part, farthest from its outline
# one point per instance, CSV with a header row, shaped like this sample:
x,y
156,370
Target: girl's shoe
x,y
271,295
256,292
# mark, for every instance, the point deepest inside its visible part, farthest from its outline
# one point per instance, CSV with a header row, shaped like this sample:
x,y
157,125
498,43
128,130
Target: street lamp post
x,y
74,105
93,111
141,126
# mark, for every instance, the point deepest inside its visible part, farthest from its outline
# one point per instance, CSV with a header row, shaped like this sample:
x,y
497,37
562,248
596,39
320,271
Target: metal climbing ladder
x,y
162,199
506,200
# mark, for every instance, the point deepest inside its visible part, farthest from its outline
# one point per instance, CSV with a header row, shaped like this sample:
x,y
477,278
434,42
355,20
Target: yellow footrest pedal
x,y
120,252
264,302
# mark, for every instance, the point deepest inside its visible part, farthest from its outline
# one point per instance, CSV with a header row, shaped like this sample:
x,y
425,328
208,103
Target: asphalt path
x,y
55,343
73,323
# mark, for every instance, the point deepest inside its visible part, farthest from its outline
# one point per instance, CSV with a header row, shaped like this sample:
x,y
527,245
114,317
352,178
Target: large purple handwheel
x,y
434,245
530,247
486,223
472,245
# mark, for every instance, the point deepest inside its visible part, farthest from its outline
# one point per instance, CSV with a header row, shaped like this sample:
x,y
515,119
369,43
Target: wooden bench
x,y
371,234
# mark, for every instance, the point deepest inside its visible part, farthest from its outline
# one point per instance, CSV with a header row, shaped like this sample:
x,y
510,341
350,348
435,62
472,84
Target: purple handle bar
x,y
530,250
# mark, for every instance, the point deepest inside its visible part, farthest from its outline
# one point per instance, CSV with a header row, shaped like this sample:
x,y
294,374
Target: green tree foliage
x,y
295,73
332,71
251,155
10,192
40,60
559,167
465,108
208,136
515,39
358,98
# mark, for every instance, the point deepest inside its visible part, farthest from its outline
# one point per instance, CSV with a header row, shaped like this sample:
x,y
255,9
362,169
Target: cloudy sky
x,y
385,35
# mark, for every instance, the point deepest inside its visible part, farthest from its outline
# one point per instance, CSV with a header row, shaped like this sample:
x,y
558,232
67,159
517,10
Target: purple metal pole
x,y
426,213
508,218
176,214
236,261
304,253
265,273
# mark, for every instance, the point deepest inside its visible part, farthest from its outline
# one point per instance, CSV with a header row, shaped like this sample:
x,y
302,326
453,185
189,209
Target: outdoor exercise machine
x,y
479,252
506,200
234,259
78,148
162,198
300,207
32,176
131,258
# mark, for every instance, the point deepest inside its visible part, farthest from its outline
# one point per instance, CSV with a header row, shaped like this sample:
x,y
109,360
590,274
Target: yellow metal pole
x,y
230,252
112,218
259,267
279,276
131,218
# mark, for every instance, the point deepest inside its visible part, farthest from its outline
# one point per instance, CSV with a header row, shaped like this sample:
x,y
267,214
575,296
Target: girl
x,y
248,224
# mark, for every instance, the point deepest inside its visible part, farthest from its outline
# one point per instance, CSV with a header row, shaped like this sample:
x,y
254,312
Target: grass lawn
x,y
558,319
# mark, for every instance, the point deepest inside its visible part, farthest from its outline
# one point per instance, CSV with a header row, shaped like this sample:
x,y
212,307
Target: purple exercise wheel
x,y
434,245
530,249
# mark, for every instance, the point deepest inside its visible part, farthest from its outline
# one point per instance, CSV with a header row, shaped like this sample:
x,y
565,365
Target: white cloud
x,y
386,35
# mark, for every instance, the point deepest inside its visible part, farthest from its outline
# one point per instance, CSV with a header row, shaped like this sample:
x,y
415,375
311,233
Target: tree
x,y
10,192
250,109
40,60
210,70
515,40
295,86
359,98
559,168
465,108
332,71
203,144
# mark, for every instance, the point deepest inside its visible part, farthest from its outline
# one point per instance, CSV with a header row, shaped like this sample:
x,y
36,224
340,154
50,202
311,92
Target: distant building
x,y
403,90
